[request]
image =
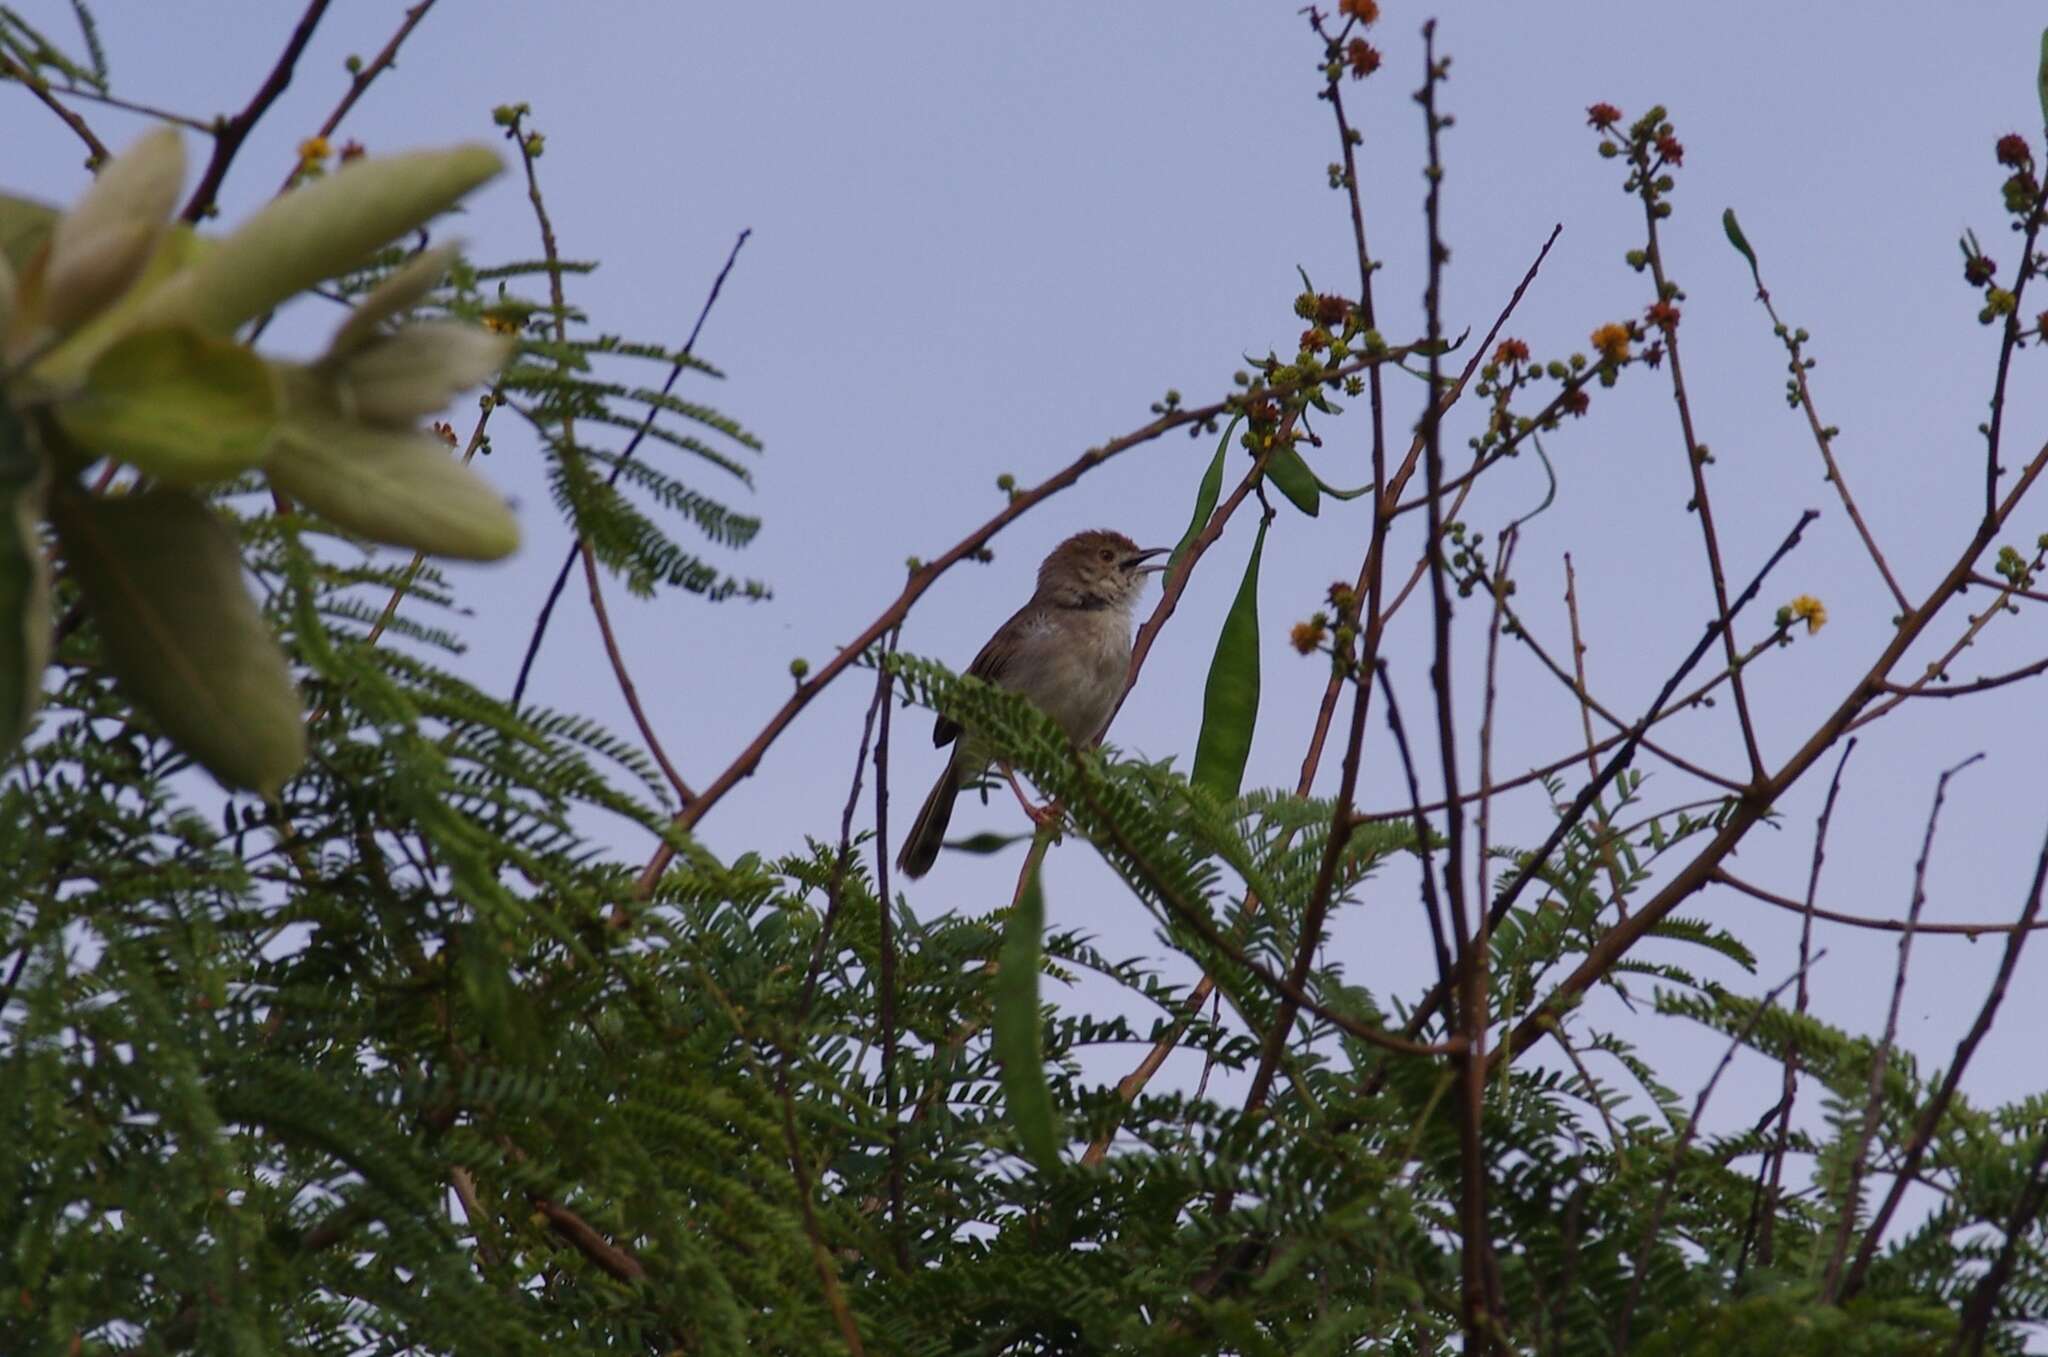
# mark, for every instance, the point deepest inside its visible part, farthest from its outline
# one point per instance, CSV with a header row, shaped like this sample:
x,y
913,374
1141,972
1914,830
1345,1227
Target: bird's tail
x,y
928,831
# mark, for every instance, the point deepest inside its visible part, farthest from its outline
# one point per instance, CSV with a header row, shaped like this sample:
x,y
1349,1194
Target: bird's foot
x,y
1046,816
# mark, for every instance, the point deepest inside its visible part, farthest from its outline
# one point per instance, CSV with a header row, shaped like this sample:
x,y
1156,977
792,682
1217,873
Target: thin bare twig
x,y
676,369
1873,1107
228,138
1930,1116
886,972
560,309
627,689
1646,174
1764,1211
375,67
1971,931
2009,342
40,88
1823,438
1480,1292
843,859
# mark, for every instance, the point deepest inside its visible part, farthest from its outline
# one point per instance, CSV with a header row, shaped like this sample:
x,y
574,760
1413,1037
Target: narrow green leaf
x,y
24,583
1205,496
1018,1040
176,404
1230,702
163,579
1286,469
1740,242
2041,78
399,486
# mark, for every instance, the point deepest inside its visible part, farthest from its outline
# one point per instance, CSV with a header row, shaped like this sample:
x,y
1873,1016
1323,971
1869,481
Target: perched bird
x,y
1068,650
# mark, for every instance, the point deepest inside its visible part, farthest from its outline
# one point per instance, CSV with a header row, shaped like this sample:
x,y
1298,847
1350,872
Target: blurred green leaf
x,y
1205,496
24,225
1286,469
1230,702
986,842
24,582
176,404
399,486
162,577
103,242
318,231
1018,1043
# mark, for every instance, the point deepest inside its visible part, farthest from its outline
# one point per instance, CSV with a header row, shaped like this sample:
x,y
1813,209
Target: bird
x,y
1068,650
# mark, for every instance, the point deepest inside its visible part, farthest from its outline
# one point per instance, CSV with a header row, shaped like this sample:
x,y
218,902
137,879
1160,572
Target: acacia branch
x,y
675,371
1757,803
35,84
1930,1116
1873,1107
229,136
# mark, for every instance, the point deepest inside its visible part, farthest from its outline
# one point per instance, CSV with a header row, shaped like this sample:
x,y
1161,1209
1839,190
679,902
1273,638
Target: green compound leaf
x,y
1205,497
1286,469
1019,1043
1230,702
176,404
399,486
162,577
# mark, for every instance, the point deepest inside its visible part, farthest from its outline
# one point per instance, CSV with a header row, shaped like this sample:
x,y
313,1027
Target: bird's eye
x,y
1107,554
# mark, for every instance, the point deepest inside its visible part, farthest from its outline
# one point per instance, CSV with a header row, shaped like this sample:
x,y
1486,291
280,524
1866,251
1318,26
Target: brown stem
x,y
376,66
40,88
228,139
2009,342
1824,440
627,689
1696,462
589,1242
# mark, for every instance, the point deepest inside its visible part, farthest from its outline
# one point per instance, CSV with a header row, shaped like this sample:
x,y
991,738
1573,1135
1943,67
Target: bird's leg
x,y
1040,816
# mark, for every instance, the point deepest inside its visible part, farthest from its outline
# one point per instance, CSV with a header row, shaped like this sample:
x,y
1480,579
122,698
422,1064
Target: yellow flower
x,y
1810,610
314,151
1306,636
1612,342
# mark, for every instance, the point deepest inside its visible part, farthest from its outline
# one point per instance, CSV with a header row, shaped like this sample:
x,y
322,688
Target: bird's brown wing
x,y
988,666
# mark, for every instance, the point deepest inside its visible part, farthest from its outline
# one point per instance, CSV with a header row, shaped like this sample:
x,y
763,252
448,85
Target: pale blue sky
x,y
987,237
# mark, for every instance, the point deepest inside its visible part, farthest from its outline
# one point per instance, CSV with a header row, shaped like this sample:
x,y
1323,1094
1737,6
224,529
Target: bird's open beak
x,y
1137,562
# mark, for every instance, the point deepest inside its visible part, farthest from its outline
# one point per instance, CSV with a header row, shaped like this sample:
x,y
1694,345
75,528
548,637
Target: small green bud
x,y
798,668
